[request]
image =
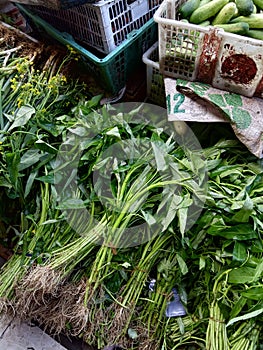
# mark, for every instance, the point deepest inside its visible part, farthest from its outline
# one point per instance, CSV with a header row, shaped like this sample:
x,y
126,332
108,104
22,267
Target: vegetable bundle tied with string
x,y
140,194
34,97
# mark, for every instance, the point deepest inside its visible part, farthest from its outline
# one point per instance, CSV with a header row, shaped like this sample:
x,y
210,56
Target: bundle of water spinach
x,y
242,17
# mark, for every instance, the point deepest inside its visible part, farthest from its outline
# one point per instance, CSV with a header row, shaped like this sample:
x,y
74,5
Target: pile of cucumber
x,y
242,17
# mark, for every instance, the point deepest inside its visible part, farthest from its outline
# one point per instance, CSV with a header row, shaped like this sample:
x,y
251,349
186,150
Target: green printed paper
x,y
194,101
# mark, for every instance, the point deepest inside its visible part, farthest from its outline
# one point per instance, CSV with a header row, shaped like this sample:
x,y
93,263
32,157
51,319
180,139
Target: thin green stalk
x,y
1,102
149,257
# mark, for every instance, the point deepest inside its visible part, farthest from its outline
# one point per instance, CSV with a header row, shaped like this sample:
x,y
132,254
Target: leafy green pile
x,y
80,274
36,99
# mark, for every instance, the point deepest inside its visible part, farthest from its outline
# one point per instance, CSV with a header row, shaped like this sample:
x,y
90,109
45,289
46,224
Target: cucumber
x,y
187,8
255,20
204,12
204,2
245,7
258,3
255,34
205,23
225,14
240,28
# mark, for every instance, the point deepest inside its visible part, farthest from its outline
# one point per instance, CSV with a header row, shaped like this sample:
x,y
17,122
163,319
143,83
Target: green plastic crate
x,y
113,70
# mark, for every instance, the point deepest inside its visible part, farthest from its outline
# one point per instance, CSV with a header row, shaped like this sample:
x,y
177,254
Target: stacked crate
x,y
111,35
103,25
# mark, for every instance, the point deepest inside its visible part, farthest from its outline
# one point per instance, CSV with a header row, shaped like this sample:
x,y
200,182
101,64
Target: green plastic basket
x,y
113,70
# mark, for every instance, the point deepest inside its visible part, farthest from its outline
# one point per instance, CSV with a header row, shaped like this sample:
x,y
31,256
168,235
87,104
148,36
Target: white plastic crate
x,y
227,61
102,25
155,82
55,4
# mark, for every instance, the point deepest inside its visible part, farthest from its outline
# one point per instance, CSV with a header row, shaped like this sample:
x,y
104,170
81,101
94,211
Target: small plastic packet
x,y
175,307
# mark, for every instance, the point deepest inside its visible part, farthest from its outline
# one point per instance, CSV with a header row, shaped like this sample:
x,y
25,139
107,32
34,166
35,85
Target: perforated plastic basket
x,y
113,70
55,4
103,25
227,61
155,82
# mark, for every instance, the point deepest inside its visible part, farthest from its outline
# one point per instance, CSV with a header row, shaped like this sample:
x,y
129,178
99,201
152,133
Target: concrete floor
x,y
22,336
15,335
